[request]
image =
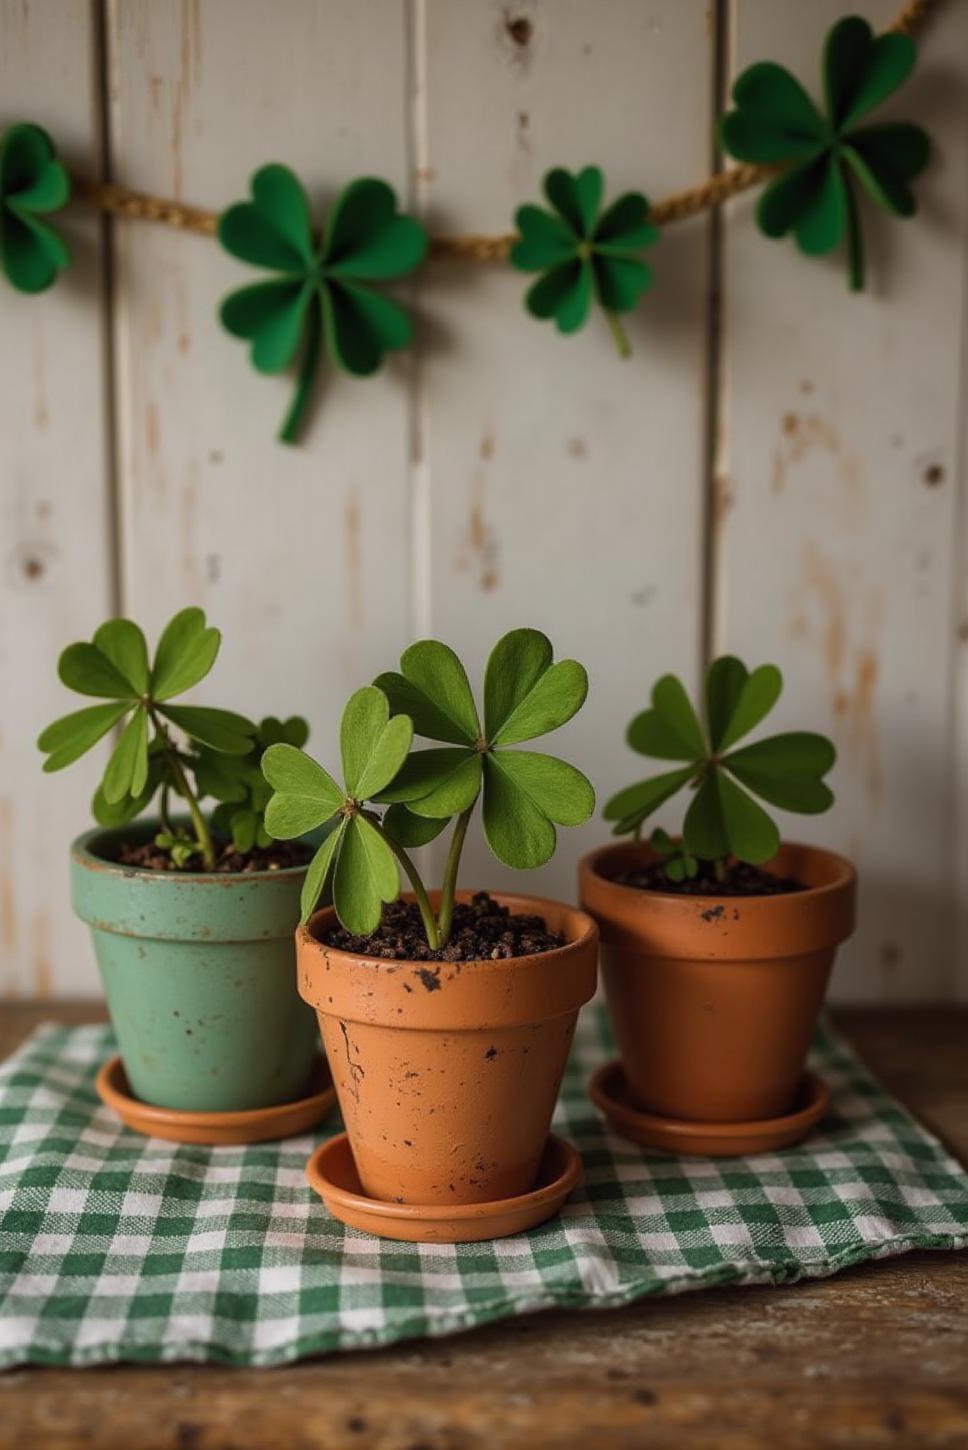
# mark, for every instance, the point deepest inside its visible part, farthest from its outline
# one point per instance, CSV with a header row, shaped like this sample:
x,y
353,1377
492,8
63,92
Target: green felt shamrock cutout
x,y
320,293
32,183
583,252
822,156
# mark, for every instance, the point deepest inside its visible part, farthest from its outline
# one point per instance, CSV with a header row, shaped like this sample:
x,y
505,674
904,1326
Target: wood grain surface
x,y
876,1356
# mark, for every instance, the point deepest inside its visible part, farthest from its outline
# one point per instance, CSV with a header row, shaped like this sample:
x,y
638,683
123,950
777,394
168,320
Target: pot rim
x,y
518,903
846,877
83,856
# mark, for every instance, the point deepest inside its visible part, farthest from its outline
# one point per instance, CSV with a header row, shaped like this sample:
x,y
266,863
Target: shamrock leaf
x,y
583,252
723,819
114,667
239,786
679,864
525,793
356,853
32,184
822,157
319,294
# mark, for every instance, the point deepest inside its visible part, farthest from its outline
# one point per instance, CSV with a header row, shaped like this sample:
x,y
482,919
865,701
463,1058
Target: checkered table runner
x,y
117,1247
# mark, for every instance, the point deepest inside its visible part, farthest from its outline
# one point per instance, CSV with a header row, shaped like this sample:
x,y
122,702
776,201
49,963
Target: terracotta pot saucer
x,y
331,1172
253,1125
608,1090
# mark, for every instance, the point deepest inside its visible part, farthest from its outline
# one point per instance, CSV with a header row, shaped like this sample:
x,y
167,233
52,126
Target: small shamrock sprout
x,y
822,156
524,793
320,293
723,820
582,254
680,865
32,184
237,782
114,667
355,852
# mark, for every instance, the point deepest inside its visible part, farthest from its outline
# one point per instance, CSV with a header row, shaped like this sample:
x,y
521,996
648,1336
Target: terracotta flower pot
x,y
200,977
714,999
447,1073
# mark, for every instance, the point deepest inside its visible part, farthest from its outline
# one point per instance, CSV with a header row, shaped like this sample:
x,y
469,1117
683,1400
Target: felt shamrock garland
x,y
822,156
583,252
320,293
32,184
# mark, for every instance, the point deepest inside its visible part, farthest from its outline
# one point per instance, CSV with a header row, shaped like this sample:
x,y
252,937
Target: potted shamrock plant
x,y
717,945
192,907
447,1016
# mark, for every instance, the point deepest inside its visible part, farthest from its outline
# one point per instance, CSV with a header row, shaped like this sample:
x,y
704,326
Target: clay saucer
x,y
331,1172
609,1092
253,1125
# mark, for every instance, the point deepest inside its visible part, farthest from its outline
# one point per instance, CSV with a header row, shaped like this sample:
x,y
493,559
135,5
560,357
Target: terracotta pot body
x,y
447,1073
714,1000
199,974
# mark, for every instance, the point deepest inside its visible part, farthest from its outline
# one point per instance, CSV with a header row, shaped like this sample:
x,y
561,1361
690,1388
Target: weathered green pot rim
x,y
85,855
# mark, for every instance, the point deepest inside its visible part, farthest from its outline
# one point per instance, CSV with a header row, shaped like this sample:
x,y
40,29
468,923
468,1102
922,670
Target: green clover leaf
x,y
822,157
525,793
32,184
114,667
583,252
723,819
355,853
320,293
239,786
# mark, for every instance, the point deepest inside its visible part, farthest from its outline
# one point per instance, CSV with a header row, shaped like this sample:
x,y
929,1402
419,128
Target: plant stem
x,y
163,815
413,876
446,916
719,870
622,345
855,243
293,421
202,834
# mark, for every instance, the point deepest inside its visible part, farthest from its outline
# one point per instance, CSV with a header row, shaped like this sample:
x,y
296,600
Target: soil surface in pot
x,y
741,880
482,930
146,856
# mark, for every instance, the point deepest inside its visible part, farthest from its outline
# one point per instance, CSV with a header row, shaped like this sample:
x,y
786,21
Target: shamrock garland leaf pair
x,y
355,852
321,293
525,793
822,156
723,819
33,183
584,253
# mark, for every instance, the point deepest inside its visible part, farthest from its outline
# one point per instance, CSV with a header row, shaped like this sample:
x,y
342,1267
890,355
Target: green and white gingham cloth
x,y
117,1247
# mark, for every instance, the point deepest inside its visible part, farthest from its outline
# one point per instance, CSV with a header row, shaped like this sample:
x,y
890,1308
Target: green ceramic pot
x,y
199,972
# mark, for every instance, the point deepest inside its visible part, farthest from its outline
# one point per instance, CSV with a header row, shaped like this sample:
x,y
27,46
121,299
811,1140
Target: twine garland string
x,y
143,206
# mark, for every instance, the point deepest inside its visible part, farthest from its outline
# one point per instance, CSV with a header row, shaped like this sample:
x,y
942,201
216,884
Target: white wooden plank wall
x,y
500,475
839,479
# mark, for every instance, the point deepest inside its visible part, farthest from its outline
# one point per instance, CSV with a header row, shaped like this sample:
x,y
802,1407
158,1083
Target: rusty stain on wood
x,y
9,926
40,948
352,527
800,434
41,410
151,429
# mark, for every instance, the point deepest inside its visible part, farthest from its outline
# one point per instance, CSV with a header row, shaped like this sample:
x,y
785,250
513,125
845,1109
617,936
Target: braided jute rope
x,y
142,206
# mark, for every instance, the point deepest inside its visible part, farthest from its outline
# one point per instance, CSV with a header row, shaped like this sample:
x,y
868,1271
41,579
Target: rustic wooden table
x,y
876,1356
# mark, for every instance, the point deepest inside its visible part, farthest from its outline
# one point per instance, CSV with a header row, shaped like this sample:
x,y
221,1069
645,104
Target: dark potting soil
x,y
741,880
277,857
482,930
